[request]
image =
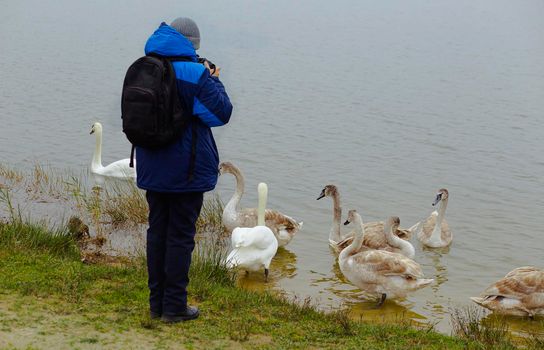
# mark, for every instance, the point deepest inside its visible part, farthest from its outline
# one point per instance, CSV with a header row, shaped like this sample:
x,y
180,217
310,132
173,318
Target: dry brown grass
x,y
11,174
210,219
125,205
45,182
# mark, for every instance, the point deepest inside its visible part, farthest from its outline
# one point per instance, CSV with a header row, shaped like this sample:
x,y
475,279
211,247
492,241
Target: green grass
x,y
34,237
113,300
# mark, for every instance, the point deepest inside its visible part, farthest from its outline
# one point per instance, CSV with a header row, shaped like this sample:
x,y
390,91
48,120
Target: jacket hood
x,y
166,41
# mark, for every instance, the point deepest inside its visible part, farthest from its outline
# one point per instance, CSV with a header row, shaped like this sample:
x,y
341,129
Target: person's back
x,y
169,169
177,175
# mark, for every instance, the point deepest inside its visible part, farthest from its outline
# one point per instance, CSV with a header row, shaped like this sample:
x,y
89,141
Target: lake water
x,y
389,100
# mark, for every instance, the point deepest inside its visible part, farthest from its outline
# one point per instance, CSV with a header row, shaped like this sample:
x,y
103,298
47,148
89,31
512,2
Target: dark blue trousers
x,y
170,243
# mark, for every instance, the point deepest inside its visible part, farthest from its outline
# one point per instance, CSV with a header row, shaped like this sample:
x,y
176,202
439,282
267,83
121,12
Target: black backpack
x,y
152,113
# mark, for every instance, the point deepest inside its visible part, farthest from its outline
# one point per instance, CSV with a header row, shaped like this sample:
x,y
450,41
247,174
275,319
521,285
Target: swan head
x,y
328,191
352,215
391,224
96,127
240,244
442,195
228,168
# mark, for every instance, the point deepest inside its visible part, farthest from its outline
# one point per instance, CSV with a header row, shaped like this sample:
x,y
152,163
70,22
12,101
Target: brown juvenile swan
x,y
435,232
374,231
379,272
283,226
519,293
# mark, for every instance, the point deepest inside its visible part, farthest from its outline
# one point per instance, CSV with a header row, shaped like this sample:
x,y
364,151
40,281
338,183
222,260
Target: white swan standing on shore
x,y
435,232
283,226
374,231
119,169
379,272
519,293
254,247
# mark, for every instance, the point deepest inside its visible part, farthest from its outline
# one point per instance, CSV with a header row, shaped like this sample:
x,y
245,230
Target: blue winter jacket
x,y
167,169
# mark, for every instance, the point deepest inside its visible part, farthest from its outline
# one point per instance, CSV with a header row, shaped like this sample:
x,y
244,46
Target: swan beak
x,y
92,131
437,199
346,222
321,195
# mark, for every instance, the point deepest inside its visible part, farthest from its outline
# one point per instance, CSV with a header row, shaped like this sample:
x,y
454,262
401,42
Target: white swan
x,y
435,232
379,272
120,168
253,247
283,226
374,231
519,293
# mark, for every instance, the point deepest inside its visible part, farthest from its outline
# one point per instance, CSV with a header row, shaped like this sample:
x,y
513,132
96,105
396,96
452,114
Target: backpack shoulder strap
x,y
170,58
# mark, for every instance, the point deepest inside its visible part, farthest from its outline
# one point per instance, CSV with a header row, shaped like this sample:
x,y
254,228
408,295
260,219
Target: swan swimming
x,y
254,247
435,231
283,226
374,231
119,169
519,293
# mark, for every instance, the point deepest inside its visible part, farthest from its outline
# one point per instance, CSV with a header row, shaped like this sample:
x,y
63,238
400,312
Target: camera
x,y
203,59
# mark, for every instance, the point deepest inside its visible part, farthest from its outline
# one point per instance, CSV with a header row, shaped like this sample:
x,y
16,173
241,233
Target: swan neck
x,y
442,210
437,231
334,235
393,240
263,194
357,240
97,156
234,202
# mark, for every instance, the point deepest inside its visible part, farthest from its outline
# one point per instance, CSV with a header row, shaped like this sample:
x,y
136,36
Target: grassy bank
x,y
53,294
50,299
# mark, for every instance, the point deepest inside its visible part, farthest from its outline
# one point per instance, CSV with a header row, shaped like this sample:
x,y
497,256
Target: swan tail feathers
x,y
231,261
416,227
478,300
424,282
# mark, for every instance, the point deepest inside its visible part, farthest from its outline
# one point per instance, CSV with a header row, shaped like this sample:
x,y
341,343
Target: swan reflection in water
x,y
435,304
440,274
283,266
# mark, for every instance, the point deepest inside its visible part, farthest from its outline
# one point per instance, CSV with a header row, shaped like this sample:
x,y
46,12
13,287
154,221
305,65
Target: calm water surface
x,y
388,100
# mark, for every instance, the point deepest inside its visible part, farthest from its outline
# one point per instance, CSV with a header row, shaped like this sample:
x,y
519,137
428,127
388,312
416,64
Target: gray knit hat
x,y
189,29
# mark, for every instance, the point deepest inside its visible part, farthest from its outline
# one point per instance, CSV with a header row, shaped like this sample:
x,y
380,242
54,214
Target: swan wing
x,y
120,168
389,264
518,284
375,237
343,243
428,226
263,237
247,217
445,232
236,236
405,233
521,270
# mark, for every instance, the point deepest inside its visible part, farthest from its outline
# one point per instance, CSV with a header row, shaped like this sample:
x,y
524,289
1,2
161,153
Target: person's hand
x,y
213,71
